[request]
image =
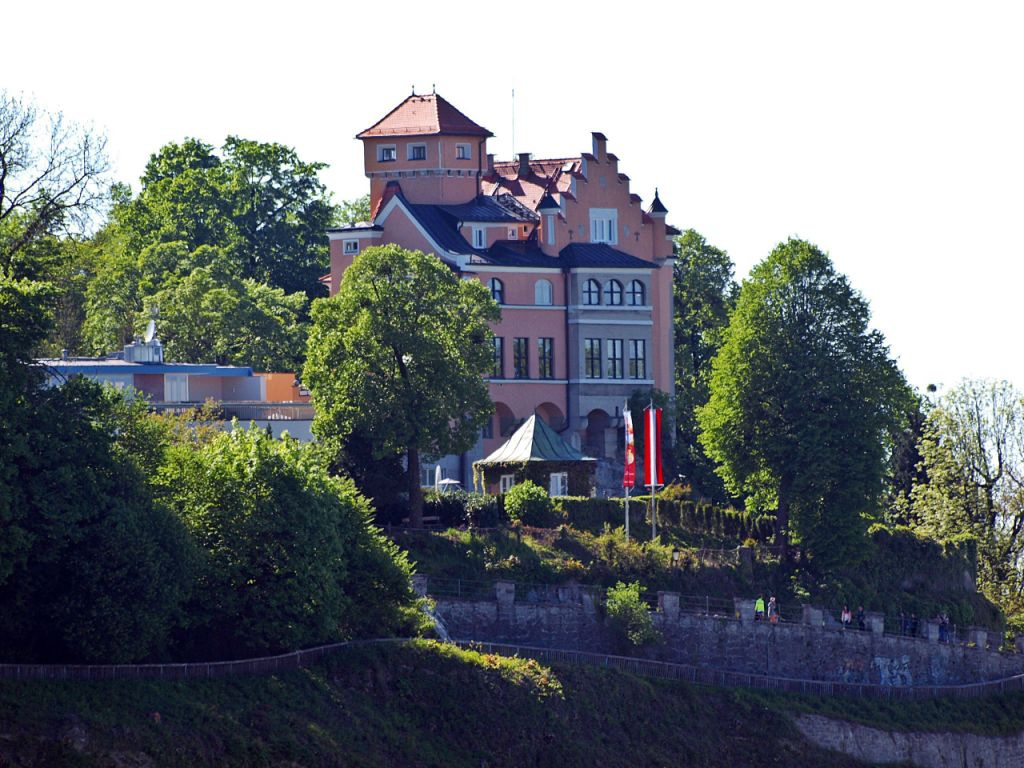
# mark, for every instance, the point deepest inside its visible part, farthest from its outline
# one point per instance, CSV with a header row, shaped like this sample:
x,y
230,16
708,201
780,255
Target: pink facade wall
x,y
437,187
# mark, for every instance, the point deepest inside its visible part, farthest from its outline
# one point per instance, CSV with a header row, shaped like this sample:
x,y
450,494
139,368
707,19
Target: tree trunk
x,y
415,492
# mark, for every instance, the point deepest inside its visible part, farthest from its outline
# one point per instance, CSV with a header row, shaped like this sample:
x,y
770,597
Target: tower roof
x,y
424,115
534,441
657,206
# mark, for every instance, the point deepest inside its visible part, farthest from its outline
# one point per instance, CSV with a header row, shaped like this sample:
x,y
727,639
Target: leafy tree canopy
x,y
973,456
289,557
804,400
398,356
703,295
263,207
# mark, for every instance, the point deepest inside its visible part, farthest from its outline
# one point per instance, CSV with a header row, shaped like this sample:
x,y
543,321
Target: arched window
x,y
542,292
591,292
635,295
613,293
497,290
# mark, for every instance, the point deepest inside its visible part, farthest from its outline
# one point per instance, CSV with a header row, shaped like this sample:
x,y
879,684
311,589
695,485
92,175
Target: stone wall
x,y
573,619
927,750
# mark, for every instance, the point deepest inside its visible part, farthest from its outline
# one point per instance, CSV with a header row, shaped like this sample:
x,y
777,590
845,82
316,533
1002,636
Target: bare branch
x,y
53,175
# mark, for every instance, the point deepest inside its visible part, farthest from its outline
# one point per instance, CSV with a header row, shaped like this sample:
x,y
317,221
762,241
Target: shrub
x,y
529,504
484,511
449,508
587,514
628,616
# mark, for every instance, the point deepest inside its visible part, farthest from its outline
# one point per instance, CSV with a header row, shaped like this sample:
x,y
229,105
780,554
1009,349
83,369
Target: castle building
x,y
582,272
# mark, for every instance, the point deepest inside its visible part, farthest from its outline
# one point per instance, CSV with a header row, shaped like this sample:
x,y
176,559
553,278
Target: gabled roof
x,y
581,255
534,441
426,115
440,225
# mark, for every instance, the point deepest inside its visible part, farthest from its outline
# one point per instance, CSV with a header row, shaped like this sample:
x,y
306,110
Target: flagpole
x,y
627,514
629,470
651,457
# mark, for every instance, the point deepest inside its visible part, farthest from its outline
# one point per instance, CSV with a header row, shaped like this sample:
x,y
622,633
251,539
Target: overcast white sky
x,y
891,134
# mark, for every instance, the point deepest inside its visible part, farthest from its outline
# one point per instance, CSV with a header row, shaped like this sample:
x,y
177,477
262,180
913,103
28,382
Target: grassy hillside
x,y
428,705
423,705
897,571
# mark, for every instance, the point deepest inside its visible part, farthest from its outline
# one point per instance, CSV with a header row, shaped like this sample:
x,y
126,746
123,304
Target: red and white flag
x,y
629,475
652,447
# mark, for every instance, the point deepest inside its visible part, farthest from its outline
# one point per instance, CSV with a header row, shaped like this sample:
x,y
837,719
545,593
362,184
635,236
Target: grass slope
x,y
417,705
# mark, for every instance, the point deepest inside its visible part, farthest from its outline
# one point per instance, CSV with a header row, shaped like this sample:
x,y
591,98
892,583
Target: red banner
x,y
629,475
652,447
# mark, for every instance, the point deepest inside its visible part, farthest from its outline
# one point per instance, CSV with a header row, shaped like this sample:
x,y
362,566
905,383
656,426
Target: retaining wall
x,y
790,650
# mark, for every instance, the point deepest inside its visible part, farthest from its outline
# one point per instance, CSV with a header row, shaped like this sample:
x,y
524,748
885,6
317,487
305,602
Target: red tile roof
x,y
424,115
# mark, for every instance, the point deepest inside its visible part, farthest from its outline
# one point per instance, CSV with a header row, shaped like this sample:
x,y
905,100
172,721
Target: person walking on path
x,y
845,617
862,622
773,610
759,608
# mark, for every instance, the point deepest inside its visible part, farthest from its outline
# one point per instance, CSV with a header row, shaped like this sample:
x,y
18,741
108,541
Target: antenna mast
x,y
513,123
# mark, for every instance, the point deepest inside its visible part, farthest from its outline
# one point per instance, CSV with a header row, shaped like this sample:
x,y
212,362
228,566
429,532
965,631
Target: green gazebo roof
x,y
534,441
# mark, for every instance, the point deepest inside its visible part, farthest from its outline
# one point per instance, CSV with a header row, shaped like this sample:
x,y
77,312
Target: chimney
x,y
524,164
490,164
600,143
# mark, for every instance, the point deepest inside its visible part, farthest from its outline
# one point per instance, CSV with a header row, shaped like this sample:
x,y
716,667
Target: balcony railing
x,y
244,411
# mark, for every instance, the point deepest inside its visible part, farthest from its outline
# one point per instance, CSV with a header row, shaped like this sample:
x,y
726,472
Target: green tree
x,y
263,207
230,322
53,178
973,454
92,568
628,616
289,557
350,212
398,357
704,292
529,504
804,401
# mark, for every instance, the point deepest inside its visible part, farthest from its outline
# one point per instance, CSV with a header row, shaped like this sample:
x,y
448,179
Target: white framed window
x,y
176,387
387,153
604,225
417,151
549,228
543,293
479,237
591,293
351,246
559,484
505,482
463,152
513,233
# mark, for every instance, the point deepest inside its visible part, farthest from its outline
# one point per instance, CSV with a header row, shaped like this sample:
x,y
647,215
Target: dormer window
x,y
417,151
463,152
387,153
479,237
